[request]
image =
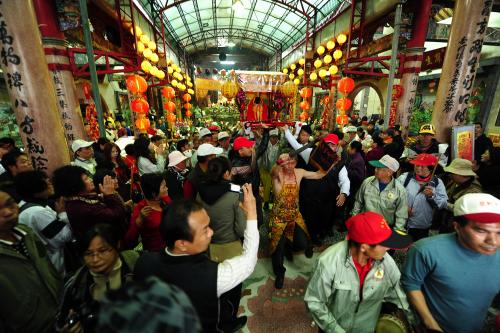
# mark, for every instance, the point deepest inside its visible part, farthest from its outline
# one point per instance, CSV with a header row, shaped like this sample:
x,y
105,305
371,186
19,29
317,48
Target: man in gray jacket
x,y
353,278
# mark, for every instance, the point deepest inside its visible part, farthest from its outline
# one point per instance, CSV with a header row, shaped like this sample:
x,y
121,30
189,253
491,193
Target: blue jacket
x,y
422,207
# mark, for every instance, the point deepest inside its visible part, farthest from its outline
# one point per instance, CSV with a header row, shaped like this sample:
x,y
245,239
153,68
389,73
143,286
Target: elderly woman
x,y
425,192
83,206
105,269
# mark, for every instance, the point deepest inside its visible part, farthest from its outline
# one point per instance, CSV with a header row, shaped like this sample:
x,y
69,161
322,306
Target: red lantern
x,y
142,123
136,84
397,91
304,105
345,85
187,106
344,104
305,92
188,113
342,120
186,97
140,105
326,100
304,116
169,106
86,89
168,92
171,117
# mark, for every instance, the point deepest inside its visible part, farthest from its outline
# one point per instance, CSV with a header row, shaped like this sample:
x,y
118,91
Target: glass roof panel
x,y
277,21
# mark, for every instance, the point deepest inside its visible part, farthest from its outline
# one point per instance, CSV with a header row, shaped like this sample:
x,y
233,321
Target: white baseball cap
x,y
351,129
274,132
478,207
207,149
204,131
386,162
175,158
79,143
222,135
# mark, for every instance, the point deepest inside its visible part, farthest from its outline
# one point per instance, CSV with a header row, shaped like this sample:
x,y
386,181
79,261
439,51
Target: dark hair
x,y
203,159
129,149
109,123
68,181
389,132
106,231
10,159
7,141
150,184
352,243
108,147
379,141
181,144
175,225
364,118
356,145
339,134
141,147
30,183
381,121
101,142
360,130
156,138
461,220
100,174
479,123
216,169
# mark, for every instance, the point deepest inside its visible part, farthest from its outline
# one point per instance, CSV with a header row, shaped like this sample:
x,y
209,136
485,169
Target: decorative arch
x,y
377,85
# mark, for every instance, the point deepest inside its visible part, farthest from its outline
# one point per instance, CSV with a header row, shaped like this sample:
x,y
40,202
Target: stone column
x,y
414,52
30,86
470,19
59,70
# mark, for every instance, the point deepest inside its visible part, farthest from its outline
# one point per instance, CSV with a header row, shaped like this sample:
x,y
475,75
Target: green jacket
x,y
392,202
30,288
333,294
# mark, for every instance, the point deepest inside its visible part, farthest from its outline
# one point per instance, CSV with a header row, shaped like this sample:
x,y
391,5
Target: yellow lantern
x,y
285,70
182,87
320,50
170,70
229,89
318,63
153,71
293,66
341,39
327,59
177,69
291,76
313,76
322,73
154,58
302,61
337,54
330,45
147,53
174,83
300,72
190,85
296,82
152,45
288,89
160,74
138,31
140,47
144,39
190,91
333,69
169,61
146,66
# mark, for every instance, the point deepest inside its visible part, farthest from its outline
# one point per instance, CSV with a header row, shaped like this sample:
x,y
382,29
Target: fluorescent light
x,y
227,62
238,6
230,44
446,21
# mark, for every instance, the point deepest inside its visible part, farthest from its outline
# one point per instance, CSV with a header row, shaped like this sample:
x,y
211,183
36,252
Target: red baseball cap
x,y
332,138
371,228
242,142
424,160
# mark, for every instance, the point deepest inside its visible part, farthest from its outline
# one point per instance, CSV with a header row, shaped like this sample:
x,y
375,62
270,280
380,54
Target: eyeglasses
x,y
99,253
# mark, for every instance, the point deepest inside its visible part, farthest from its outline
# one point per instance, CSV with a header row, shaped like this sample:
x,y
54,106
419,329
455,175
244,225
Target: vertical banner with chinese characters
x,y
468,28
30,88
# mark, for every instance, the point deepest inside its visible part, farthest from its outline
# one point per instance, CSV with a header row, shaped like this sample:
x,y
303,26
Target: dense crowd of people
x,y
173,228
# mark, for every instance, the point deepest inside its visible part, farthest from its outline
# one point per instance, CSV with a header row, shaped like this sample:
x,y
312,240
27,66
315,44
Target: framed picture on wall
x,y
462,142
